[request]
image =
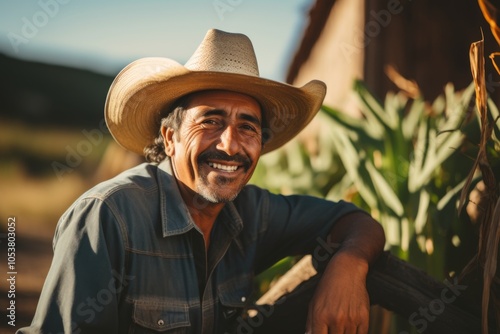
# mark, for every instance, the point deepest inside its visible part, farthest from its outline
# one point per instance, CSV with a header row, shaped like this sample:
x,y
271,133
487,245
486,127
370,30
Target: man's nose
x,y
229,141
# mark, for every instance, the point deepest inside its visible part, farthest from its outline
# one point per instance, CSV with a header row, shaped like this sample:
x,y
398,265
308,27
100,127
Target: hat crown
x,y
224,52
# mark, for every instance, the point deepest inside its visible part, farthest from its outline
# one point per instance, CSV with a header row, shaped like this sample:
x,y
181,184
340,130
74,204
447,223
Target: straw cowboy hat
x,y
145,89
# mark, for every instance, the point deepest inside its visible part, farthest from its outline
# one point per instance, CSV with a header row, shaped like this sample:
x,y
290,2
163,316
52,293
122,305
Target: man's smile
x,y
223,167
221,162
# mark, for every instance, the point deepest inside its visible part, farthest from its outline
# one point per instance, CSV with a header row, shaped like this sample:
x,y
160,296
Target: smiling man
x,y
173,245
216,150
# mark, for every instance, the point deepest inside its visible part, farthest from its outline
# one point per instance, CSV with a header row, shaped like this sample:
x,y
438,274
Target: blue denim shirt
x,y
128,257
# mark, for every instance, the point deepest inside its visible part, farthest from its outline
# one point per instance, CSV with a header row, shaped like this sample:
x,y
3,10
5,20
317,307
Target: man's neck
x,y
203,212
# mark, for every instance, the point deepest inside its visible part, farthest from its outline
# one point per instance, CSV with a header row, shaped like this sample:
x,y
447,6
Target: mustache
x,y
217,155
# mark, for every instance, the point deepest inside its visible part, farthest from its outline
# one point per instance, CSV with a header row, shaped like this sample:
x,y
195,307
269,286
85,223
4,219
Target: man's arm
x,y
82,288
341,303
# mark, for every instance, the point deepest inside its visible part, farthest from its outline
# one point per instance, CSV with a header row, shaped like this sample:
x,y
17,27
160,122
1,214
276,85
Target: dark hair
x,y
155,152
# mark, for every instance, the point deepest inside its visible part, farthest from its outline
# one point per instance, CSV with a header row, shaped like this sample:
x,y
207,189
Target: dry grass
x,y
36,200
40,200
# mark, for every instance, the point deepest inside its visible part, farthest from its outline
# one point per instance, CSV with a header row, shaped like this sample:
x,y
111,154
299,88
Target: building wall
x,y
337,57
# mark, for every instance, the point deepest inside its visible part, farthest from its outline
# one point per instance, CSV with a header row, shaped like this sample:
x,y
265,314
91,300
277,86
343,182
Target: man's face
x,y
217,146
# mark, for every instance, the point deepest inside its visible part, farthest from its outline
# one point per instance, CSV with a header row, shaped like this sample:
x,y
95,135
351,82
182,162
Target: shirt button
x,y
161,322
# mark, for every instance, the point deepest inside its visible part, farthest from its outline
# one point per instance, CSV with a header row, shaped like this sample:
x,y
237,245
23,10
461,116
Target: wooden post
x,y
429,305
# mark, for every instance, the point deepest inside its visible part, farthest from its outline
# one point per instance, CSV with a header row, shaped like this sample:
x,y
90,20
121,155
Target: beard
x,y
218,193
215,195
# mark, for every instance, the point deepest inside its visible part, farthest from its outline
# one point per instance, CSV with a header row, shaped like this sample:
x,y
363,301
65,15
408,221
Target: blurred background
x,y
382,61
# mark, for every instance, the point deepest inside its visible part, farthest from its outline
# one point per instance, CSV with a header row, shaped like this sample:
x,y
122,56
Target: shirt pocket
x,y
154,317
234,296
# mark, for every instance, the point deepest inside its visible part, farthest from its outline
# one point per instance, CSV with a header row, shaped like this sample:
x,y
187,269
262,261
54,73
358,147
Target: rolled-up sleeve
x,y
83,287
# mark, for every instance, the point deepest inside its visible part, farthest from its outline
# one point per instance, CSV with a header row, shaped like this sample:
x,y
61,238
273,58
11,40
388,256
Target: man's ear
x,y
168,140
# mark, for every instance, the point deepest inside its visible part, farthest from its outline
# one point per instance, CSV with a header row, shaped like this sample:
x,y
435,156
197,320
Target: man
x,y
172,246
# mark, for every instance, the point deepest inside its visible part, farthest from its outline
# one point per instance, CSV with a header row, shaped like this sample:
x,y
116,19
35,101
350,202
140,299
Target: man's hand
x,y
340,303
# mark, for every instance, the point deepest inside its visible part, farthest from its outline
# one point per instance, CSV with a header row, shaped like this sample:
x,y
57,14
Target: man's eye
x,y
249,127
210,122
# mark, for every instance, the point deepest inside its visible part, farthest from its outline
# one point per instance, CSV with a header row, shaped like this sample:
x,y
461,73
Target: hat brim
x,y
149,86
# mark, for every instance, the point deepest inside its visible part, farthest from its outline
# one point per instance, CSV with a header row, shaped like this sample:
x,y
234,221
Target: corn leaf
x,y
495,119
392,104
373,110
353,161
423,206
411,121
419,156
359,126
490,13
384,191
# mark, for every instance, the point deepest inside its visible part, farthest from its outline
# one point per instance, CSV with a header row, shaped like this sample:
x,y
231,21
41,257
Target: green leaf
x,y
392,105
352,159
343,119
418,157
495,117
412,119
453,194
384,191
423,207
357,125
373,110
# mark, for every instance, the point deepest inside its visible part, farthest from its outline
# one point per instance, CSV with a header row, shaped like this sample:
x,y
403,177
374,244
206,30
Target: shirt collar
x,y
175,215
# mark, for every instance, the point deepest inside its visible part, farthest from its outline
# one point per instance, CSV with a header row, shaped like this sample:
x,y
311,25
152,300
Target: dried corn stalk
x,y
489,234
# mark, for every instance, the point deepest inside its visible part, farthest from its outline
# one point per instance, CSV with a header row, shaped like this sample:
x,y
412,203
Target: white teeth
x,y
223,167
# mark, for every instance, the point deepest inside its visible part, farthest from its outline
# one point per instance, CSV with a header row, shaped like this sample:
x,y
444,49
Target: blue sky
x,y
104,36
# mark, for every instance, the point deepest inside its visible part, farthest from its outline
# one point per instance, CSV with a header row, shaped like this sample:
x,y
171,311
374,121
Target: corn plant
x,y
404,161
306,165
403,157
487,162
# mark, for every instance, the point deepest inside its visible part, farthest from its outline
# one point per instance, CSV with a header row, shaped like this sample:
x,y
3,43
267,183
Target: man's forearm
x,y
359,235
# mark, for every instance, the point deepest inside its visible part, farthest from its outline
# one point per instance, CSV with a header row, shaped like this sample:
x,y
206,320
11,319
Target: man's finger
x,y
319,329
363,328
